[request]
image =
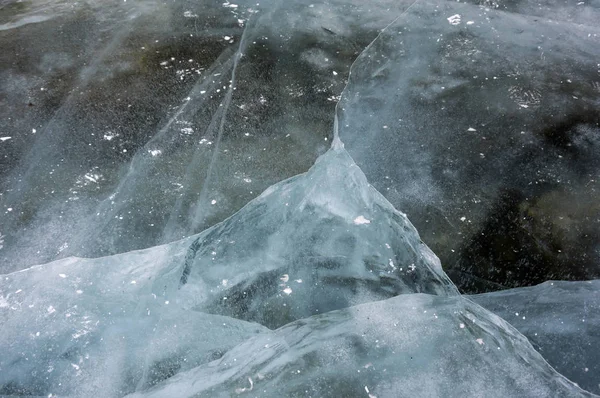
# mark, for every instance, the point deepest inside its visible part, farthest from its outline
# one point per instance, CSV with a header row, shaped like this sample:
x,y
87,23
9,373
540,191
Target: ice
x,y
125,322
129,124
102,87
108,85
353,305
494,121
328,228
407,346
561,319
80,327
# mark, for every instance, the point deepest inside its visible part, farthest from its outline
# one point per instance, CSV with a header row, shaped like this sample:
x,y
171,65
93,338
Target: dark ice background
x,y
137,123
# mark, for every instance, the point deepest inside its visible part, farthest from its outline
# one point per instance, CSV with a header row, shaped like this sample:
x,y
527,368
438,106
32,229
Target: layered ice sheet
x,y
408,346
79,327
360,306
562,321
481,123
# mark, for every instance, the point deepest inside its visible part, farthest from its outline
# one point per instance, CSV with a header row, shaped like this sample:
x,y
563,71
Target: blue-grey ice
x,y
354,303
193,180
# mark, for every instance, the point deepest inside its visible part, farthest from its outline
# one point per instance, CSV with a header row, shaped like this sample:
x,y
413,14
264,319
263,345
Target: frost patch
x,y
454,19
361,220
110,135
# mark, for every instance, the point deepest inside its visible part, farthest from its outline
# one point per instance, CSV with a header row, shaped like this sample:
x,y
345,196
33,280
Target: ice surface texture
x,y
95,327
409,346
482,125
310,256
144,122
136,123
314,243
562,321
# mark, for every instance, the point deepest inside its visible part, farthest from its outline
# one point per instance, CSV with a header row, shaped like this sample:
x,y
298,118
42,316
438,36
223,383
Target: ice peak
x,y
328,228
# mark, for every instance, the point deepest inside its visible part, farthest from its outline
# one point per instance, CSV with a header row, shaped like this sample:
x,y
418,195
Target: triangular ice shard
x,y
320,241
